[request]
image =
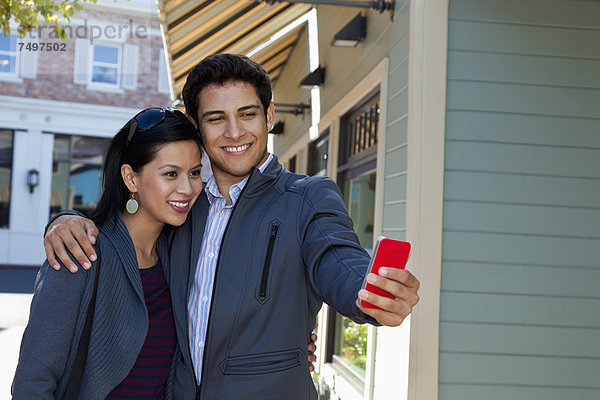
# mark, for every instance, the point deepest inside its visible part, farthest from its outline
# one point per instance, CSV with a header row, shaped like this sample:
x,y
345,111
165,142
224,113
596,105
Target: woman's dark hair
x,y
222,68
141,149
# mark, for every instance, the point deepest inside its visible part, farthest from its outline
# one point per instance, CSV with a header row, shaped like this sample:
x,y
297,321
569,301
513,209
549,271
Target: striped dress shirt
x,y
202,287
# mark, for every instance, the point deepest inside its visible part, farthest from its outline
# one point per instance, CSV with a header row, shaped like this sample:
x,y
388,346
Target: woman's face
x,y
169,185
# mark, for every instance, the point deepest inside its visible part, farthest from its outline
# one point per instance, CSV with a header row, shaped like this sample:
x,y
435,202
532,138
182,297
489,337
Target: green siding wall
x,y
394,197
520,308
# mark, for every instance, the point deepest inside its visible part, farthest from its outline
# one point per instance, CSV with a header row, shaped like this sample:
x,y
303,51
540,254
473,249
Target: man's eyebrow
x,y
249,107
244,108
206,114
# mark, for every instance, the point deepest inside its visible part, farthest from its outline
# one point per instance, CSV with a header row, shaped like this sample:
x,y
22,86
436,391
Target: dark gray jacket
x,y
58,310
289,246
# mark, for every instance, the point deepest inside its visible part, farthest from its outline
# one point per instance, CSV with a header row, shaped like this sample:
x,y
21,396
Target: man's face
x,y
233,129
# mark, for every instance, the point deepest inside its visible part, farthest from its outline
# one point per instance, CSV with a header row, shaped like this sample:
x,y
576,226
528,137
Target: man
x,y
258,254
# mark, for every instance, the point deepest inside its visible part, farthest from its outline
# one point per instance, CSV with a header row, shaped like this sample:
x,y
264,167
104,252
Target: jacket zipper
x,y
265,275
212,303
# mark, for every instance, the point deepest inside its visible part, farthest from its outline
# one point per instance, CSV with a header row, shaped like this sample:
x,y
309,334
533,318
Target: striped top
x,y
147,379
202,288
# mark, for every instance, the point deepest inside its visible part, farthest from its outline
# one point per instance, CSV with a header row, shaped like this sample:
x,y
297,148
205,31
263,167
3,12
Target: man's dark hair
x,y
223,68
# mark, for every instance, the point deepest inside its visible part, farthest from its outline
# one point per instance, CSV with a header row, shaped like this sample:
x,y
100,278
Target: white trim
x,y
376,78
130,7
314,62
381,136
129,66
383,70
28,60
63,117
281,33
81,65
12,76
425,186
164,75
93,85
165,47
106,88
337,378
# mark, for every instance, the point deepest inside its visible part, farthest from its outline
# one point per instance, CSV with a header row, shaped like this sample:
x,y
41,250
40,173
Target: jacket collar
x,y
116,232
258,180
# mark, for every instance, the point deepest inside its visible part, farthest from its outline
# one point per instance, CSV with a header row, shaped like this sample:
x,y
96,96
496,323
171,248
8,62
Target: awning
x,y
196,29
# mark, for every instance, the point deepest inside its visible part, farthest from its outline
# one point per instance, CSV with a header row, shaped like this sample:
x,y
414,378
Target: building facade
x,y
471,129
62,102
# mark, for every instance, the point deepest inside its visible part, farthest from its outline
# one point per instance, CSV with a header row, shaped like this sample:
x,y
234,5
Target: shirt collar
x,y
212,189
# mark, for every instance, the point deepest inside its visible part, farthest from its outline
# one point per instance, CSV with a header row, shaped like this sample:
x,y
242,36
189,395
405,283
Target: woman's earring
x,y
132,205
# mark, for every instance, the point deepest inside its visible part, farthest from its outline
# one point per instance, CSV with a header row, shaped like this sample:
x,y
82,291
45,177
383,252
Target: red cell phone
x,y
387,253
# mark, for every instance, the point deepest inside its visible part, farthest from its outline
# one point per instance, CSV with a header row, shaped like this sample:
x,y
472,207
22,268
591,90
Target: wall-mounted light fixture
x,y
33,179
352,33
315,78
292,108
379,5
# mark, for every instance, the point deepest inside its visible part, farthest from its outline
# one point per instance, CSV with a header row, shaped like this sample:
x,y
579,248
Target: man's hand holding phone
x,y
389,292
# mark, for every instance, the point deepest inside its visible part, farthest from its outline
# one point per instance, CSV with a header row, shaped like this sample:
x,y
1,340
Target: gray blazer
x,y
57,314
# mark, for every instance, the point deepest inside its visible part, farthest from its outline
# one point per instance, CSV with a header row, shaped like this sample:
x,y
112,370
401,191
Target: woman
x,y
151,179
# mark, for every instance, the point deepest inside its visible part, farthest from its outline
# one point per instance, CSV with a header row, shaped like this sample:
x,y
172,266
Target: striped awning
x,y
195,29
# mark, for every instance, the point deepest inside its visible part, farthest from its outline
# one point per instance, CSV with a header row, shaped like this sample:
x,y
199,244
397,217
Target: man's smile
x,y
237,149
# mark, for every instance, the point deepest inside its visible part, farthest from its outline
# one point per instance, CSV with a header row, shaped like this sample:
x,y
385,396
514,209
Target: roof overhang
x,y
198,28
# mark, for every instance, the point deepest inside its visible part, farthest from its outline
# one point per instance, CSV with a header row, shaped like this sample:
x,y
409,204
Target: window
x,y
318,153
8,55
106,61
76,173
359,132
109,67
356,177
292,164
6,155
359,196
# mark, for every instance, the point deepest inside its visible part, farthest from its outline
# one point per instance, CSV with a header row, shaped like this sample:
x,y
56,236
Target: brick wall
x,y
54,79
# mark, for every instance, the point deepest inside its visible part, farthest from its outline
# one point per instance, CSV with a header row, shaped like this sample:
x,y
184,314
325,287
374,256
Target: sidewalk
x,y
16,288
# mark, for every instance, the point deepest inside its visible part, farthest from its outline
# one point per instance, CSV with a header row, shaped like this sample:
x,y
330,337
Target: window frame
x,y
69,160
330,377
352,165
10,180
313,147
366,165
16,54
92,63
292,164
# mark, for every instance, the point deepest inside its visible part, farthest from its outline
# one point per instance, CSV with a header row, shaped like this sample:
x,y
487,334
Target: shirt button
x,y
201,344
211,255
205,298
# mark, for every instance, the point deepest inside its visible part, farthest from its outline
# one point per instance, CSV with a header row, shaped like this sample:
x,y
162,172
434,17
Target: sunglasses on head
x,y
151,117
